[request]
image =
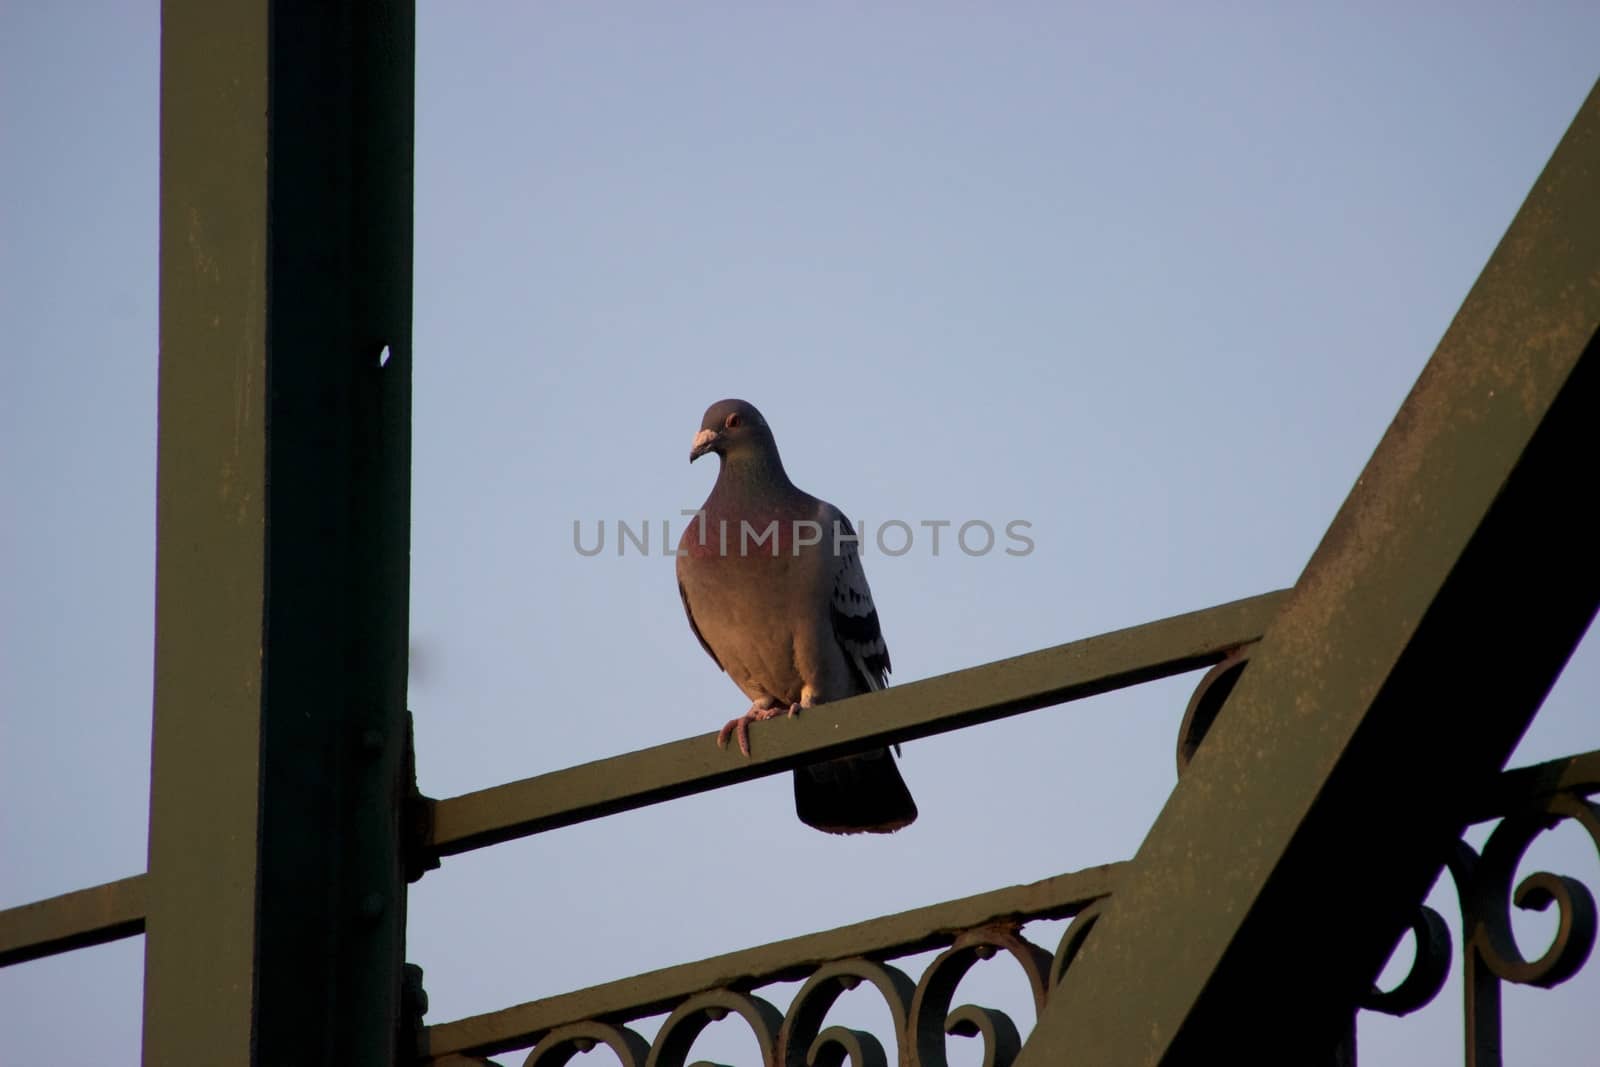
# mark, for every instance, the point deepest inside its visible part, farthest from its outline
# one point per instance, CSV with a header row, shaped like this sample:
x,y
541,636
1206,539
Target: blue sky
x,y
1151,278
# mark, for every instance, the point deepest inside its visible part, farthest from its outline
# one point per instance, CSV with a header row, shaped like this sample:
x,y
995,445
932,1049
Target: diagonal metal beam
x,y
930,706
1414,650
276,892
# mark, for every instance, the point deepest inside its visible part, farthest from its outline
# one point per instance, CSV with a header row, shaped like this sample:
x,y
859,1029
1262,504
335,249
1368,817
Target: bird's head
x,y
733,429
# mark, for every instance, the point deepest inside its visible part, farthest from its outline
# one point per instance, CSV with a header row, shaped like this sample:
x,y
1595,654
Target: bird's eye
x,y
732,421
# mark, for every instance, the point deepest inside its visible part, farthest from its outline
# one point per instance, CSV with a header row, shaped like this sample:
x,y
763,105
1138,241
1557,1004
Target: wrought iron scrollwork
x,y
1489,947
924,1014
932,1019
1429,968
1209,696
1072,940
563,1043
1484,885
921,1012
802,1042
1489,950
678,1033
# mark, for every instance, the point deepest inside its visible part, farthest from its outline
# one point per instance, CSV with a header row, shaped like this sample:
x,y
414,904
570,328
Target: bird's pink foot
x,y
740,727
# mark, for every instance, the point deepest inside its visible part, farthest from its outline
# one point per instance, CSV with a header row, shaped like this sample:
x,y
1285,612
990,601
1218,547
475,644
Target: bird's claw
x,y
740,727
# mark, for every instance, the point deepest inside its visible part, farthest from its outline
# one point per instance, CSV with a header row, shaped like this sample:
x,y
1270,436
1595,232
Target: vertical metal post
x,y
276,922
1480,994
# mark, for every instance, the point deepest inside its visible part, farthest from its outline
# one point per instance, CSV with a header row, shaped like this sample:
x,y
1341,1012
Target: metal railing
x,y
1526,802
979,694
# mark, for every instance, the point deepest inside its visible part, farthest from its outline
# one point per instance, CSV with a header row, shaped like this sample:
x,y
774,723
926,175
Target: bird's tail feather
x,y
854,795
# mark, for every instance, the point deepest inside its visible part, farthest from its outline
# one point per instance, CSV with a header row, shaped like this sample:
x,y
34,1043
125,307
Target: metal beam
x,y
1578,773
116,910
276,898
901,713
1411,655
78,919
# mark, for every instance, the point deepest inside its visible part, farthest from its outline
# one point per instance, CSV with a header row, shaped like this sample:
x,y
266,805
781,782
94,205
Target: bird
x,y
772,582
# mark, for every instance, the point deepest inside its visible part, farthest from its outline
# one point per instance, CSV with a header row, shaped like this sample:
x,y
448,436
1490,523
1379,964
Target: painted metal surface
x,y
276,892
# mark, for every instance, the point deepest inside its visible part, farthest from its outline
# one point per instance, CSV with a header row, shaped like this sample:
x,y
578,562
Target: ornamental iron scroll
x,y
802,1042
677,1035
921,1014
563,1043
1209,696
1484,886
1490,955
1429,968
1072,940
932,1018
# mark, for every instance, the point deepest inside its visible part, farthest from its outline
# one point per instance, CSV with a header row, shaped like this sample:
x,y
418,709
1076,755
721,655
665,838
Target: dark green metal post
x,y
1411,655
276,895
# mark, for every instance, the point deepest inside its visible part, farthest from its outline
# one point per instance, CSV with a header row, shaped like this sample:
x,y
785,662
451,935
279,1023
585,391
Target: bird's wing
x,y
684,593
855,618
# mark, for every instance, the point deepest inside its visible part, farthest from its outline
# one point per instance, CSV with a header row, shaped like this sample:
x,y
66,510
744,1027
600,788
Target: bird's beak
x,y
702,444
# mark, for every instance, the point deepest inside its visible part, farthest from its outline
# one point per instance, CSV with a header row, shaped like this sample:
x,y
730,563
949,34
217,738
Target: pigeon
x,y
773,586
